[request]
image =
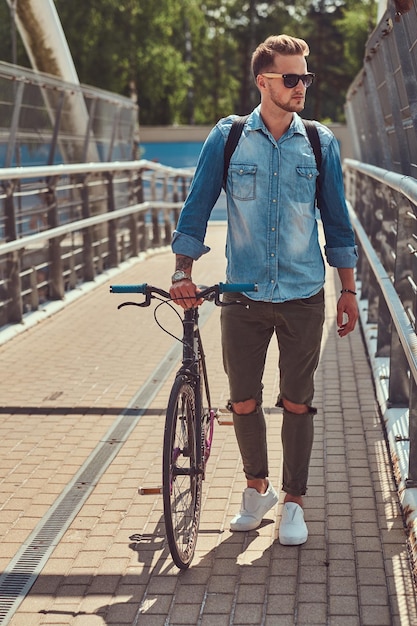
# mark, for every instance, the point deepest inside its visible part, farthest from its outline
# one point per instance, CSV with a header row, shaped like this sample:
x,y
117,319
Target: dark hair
x,y
264,55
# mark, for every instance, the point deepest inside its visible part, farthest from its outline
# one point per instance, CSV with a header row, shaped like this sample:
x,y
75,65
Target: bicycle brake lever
x,y
210,297
144,303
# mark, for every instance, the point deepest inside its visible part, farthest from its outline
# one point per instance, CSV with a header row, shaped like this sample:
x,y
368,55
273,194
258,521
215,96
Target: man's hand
x,y
347,313
184,293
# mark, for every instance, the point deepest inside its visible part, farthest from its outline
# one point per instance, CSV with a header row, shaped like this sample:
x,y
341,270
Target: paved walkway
x,y
82,398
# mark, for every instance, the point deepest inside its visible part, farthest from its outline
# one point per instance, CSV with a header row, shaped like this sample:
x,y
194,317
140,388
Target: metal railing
x,y
384,215
381,105
62,225
44,121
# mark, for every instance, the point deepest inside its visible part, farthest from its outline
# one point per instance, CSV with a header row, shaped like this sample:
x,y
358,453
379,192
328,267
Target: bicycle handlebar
x,y
220,288
214,291
144,288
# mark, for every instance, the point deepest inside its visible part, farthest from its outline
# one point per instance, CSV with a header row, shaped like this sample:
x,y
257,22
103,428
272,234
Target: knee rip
x,y
243,408
297,409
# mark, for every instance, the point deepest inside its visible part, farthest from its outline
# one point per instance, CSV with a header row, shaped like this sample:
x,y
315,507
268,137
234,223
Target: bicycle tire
x,y
181,474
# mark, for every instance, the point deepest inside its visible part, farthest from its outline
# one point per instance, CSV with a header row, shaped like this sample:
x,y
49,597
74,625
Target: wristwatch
x,y
179,275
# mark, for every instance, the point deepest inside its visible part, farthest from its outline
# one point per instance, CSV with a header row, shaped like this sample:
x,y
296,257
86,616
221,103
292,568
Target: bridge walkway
x,y
82,400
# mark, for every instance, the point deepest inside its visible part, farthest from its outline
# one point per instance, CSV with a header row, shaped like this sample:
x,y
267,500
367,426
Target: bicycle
x,y
189,422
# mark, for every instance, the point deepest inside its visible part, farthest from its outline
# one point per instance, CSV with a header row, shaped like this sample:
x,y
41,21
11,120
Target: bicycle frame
x,y
194,366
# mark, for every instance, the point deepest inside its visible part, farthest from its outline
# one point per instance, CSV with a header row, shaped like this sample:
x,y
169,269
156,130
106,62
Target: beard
x,y
291,106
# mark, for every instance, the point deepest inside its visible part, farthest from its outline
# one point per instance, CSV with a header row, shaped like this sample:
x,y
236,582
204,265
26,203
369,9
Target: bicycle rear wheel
x,y
181,475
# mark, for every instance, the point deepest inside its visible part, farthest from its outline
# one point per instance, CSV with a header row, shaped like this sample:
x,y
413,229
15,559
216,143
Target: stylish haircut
x,y
264,55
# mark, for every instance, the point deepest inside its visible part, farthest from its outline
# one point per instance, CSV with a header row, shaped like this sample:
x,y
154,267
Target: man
x,y
272,240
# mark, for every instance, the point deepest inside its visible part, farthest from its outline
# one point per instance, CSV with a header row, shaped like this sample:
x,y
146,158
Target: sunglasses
x,y
291,80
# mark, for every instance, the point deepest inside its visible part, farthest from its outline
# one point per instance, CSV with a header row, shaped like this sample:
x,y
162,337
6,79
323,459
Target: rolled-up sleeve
x,y
342,257
188,246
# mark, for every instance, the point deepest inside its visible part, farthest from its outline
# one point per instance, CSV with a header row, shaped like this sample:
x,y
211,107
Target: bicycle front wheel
x,y
182,478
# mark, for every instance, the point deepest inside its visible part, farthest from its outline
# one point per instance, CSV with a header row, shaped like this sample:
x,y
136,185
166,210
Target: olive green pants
x,y
246,334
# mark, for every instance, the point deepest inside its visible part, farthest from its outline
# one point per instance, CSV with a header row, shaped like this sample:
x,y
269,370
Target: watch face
x,y
179,275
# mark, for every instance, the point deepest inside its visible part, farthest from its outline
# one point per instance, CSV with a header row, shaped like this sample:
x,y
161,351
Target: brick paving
x,y
64,383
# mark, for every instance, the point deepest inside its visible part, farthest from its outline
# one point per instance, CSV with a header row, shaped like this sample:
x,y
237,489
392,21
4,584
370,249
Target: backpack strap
x,y
313,136
232,141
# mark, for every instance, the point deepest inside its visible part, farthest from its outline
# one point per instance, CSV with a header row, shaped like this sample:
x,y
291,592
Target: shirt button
x,y
272,254
272,281
273,229
274,200
275,173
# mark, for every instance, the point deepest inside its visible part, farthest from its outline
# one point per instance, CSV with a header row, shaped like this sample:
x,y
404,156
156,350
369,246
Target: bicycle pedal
x,y
224,417
149,491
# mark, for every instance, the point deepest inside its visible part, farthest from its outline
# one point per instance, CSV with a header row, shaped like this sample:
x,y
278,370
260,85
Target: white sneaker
x,y
292,529
253,508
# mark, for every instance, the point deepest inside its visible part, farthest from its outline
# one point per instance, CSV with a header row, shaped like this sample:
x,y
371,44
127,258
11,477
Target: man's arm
x,y
347,307
188,238
183,291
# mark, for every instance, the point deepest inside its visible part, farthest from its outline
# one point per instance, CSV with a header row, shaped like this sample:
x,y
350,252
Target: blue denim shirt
x,y
272,234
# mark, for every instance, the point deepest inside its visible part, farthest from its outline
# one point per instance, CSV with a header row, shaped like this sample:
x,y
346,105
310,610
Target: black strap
x,y
313,136
232,141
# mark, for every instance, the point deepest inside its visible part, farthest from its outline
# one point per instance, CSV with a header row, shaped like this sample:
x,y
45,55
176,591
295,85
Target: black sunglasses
x,y
291,80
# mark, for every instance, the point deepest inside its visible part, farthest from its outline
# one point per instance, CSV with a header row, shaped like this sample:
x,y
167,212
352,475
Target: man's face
x,y
274,90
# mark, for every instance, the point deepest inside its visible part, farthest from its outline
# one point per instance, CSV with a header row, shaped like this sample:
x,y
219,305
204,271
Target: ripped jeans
x,y
246,334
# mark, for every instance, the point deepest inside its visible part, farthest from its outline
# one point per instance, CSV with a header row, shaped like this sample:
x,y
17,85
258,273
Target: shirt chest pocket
x,y
305,186
243,181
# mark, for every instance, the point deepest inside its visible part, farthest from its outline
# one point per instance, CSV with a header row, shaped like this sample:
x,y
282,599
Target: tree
x,y
336,33
188,61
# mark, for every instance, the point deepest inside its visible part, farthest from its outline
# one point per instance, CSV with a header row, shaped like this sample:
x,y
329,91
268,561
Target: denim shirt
x,y
272,233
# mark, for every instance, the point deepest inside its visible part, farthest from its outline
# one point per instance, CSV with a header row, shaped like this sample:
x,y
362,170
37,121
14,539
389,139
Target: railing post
x,y
122,248
14,287
141,219
88,251
72,273
56,274
153,186
112,224
373,300
156,232
15,306
133,230
411,480
10,213
99,256
175,189
143,232
34,294
399,382
385,330
168,229
139,187
404,235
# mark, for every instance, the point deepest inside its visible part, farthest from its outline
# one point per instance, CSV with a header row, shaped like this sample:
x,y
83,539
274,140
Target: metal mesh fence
x,y
381,105
45,121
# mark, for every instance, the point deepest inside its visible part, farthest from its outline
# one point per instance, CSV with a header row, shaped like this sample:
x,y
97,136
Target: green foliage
x,y
336,33
188,61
